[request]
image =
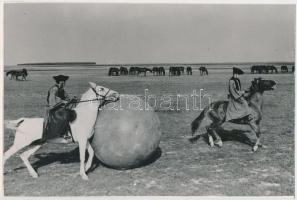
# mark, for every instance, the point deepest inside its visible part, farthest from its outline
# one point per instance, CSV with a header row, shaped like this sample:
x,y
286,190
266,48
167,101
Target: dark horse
x,y
132,70
123,71
260,69
182,70
189,70
205,123
284,69
272,69
15,74
143,70
113,71
156,71
203,71
159,71
175,71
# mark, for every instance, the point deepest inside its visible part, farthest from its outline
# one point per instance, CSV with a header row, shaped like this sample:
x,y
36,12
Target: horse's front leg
x,y
91,156
82,156
256,129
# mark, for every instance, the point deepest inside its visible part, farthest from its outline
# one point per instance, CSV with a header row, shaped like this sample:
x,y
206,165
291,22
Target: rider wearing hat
x,y
57,99
237,107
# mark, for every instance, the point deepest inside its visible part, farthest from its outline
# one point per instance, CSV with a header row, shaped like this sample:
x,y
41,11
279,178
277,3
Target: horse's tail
x,y
199,125
196,123
13,124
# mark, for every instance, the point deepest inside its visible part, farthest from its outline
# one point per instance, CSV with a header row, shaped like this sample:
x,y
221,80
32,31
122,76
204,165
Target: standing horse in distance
x,y
284,69
161,71
133,70
175,71
260,69
271,69
182,70
143,70
158,71
189,70
113,71
205,123
15,74
123,71
29,130
203,71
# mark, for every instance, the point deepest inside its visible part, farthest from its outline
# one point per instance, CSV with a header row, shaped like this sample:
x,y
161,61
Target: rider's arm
x,y
53,98
236,94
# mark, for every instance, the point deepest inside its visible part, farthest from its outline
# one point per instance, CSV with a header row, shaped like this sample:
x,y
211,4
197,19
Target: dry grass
x,y
183,168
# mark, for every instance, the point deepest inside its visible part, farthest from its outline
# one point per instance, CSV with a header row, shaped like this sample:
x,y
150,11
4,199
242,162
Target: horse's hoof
x,y
85,177
34,175
219,143
255,148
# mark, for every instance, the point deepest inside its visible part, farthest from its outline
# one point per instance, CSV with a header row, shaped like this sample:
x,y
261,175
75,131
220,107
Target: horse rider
x,y
57,111
237,107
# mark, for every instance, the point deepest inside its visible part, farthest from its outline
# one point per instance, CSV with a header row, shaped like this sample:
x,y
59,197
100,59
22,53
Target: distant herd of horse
x,y
156,71
267,69
15,74
160,71
177,71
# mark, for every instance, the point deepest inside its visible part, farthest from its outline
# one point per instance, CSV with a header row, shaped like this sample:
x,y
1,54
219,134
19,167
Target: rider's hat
x,y
60,78
237,71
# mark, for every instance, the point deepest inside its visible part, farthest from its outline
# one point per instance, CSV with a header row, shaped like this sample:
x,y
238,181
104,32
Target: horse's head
x,y
261,85
105,94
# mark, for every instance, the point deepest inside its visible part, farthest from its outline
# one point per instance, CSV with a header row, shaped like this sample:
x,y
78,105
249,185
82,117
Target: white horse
x,y
29,130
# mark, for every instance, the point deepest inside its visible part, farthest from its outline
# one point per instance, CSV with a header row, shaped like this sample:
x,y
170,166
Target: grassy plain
x,y
183,168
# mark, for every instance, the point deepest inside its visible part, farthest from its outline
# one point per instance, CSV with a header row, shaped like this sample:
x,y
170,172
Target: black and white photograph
x,y
148,99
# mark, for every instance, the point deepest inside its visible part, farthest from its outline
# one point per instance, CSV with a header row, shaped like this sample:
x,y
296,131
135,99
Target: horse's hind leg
x,y
218,140
91,156
12,150
25,155
19,143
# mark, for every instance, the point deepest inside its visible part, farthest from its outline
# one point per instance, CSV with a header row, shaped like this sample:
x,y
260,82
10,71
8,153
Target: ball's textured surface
x,y
125,133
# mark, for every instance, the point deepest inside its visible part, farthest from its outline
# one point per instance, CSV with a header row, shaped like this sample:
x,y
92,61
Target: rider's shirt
x,y
237,106
56,95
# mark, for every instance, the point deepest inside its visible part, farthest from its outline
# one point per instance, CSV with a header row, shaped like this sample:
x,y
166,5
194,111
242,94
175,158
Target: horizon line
x,y
167,63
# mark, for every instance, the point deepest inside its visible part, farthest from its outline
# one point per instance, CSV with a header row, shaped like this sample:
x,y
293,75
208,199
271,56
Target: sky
x,y
148,33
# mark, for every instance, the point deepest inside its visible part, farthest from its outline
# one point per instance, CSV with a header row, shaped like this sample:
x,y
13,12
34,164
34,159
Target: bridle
x,y
98,97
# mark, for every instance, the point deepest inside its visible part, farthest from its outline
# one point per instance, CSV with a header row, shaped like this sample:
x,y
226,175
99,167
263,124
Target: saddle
x,y
218,111
57,123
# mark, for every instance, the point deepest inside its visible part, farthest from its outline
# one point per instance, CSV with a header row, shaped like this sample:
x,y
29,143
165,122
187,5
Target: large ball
x,y
126,133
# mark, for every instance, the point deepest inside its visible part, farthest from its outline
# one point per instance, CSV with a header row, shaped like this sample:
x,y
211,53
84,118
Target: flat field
x,y
183,168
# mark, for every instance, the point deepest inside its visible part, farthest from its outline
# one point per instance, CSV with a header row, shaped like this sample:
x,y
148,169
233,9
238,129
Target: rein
x,y
96,99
